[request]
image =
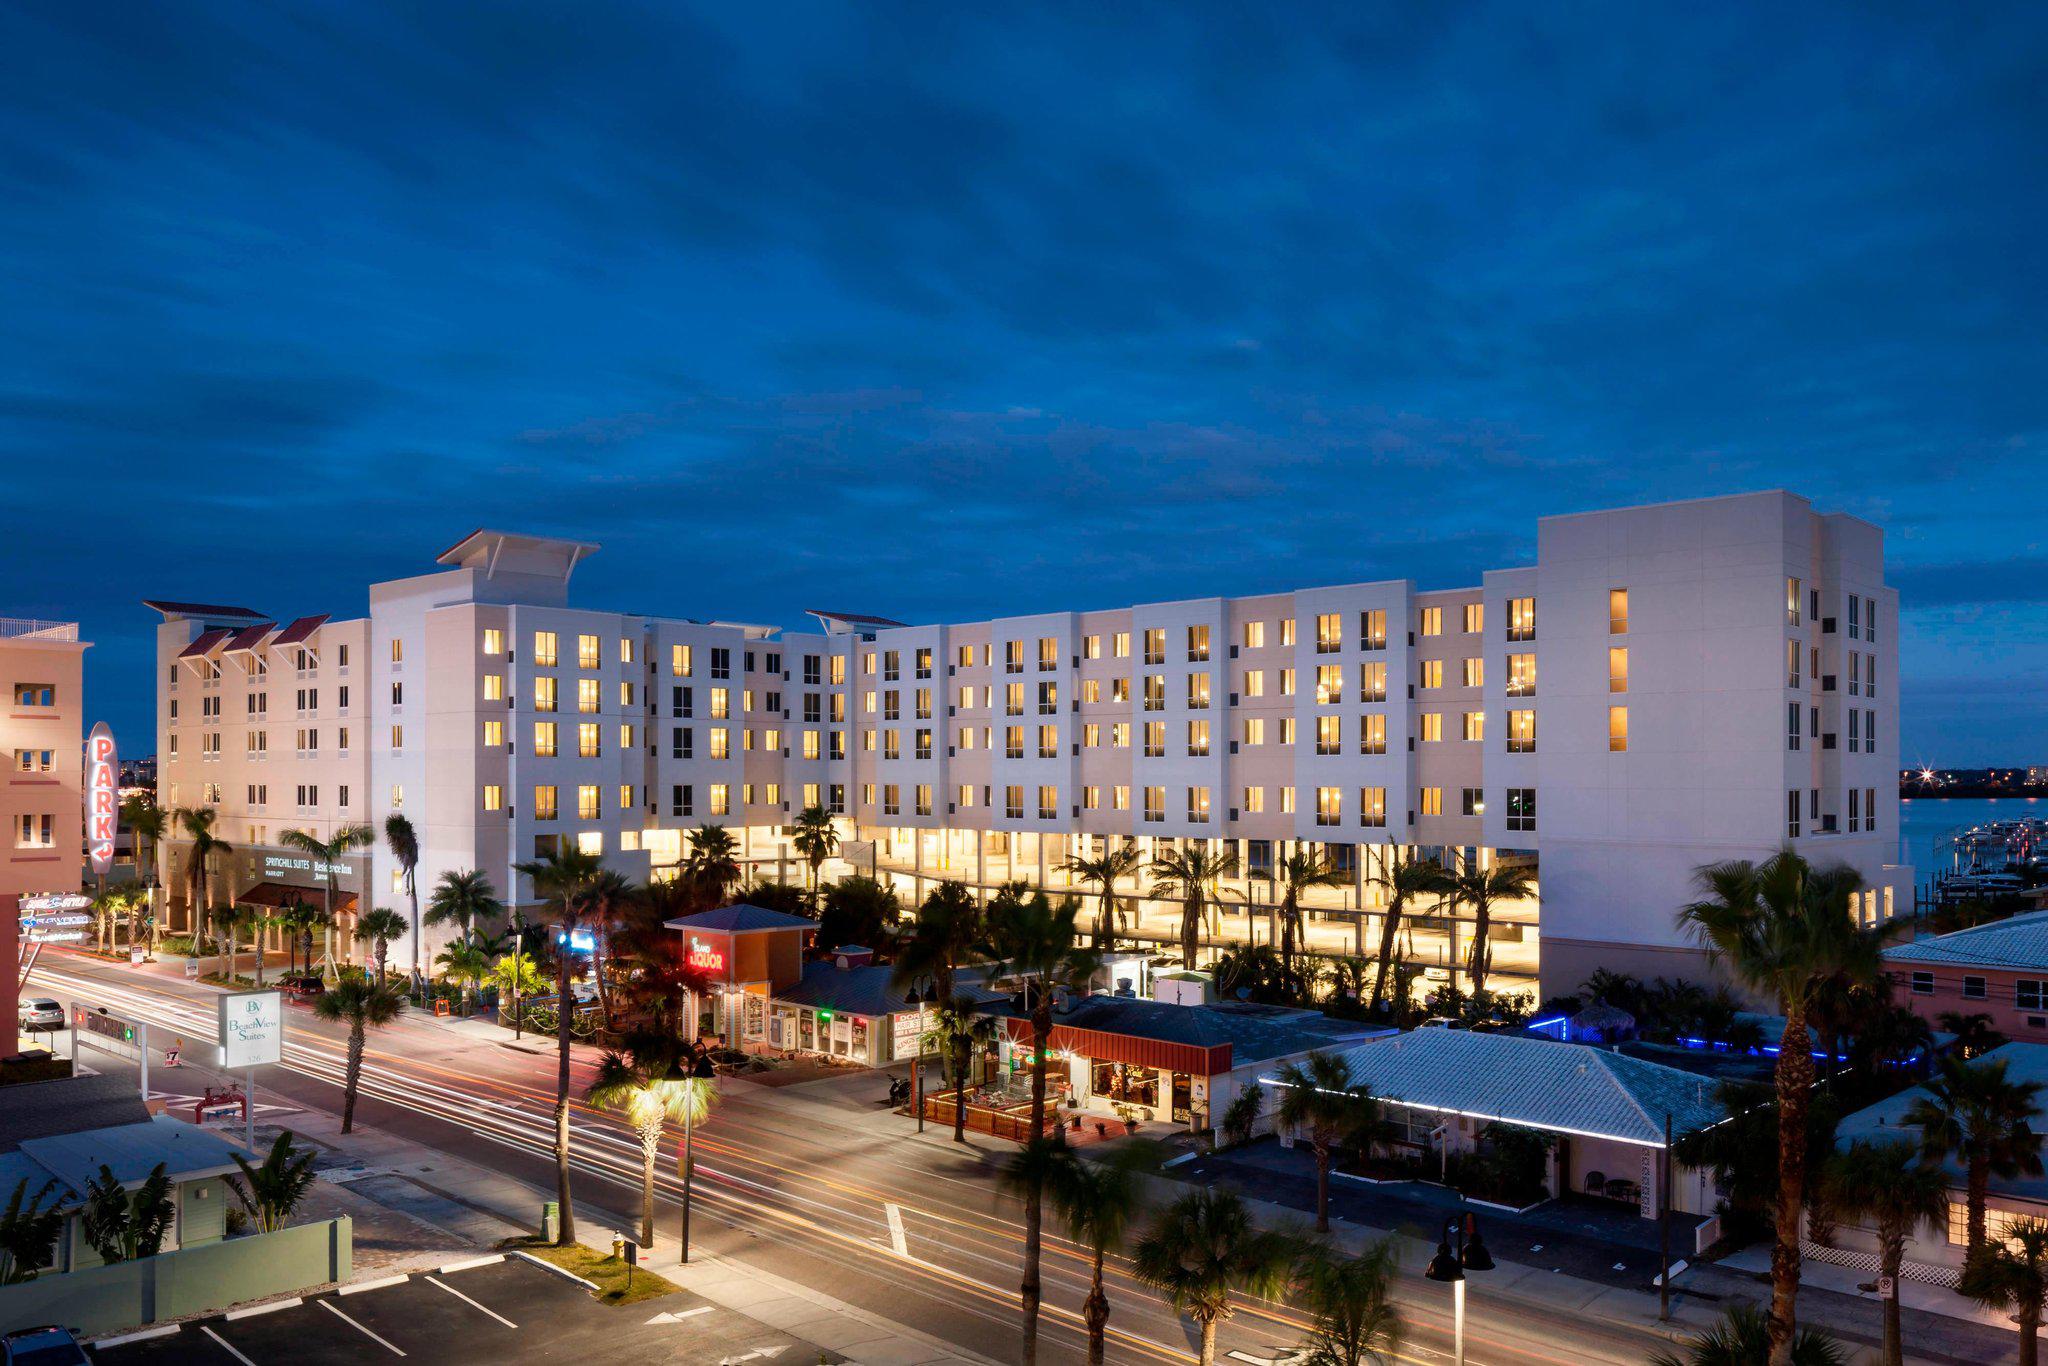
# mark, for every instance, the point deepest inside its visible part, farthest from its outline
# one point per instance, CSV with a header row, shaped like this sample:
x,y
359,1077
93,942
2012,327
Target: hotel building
x,y
1664,687
42,813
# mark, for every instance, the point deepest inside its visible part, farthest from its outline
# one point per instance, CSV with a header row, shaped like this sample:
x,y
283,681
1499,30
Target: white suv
x,y
42,1013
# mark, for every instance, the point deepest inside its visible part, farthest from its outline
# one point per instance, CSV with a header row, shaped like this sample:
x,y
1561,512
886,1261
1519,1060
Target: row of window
x,y
1804,811
1862,736
1861,623
2028,993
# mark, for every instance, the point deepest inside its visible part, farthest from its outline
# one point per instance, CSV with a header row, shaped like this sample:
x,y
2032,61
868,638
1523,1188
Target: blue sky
x,y
952,311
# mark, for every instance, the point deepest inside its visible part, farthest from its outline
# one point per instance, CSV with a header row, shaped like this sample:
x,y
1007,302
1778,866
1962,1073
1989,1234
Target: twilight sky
x,y
938,313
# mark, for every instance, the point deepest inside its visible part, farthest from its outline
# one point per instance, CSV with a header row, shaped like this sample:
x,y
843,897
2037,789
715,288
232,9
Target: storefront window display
x,y
1118,1082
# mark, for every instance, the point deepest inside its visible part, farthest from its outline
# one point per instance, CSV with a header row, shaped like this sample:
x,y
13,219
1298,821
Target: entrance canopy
x,y
281,894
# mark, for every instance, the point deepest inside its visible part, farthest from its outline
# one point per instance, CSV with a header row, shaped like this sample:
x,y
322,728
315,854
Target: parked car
x,y
302,988
42,1013
49,1346
1444,1022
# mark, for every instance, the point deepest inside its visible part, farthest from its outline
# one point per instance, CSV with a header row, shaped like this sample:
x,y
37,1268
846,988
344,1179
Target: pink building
x,y
41,812
2000,970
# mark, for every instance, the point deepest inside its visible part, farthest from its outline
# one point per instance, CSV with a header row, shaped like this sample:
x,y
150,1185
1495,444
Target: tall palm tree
x,y
1403,881
1094,1203
328,853
1897,1189
197,823
606,896
1975,1111
1350,1300
465,899
147,821
404,843
253,921
378,928
1482,889
713,862
1038,945
1203,1246
221,922
1304,867
816,839
2011,1275
363,1005
1115,863
634,1083
1783,927
562,881
949,927
1320,1102
1190,875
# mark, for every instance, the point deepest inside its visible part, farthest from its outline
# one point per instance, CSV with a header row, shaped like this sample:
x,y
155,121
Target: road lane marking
x,y
898,1239
436,1280
226,1346
667,1317
328,1305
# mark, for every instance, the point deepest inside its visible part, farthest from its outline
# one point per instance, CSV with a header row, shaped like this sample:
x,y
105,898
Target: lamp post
x,y
1460,1251
699,1070
920,999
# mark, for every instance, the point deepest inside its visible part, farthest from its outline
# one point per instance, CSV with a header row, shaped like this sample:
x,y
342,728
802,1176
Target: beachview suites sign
x,y
251,1029
102,797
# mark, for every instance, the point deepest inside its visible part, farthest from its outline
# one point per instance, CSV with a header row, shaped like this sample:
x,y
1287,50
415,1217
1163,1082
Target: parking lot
x,y
501,1311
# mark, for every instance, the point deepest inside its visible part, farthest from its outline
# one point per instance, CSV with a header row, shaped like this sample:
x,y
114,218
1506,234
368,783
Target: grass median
x,y
609,1274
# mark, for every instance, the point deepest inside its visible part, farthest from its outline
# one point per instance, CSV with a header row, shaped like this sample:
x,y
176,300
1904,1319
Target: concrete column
x,y
1039,840
917,868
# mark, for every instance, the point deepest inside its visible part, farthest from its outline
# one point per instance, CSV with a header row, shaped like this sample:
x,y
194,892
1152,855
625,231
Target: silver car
x,y
42,1013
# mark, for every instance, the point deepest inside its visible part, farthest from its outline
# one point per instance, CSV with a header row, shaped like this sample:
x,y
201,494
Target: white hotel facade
x,y
1665,687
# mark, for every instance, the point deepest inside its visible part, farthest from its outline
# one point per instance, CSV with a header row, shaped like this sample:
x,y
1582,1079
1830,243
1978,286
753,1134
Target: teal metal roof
x,y
187,1152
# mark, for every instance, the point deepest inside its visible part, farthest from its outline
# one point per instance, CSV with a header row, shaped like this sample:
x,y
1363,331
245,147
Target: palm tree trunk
x,y
1976,1190
1482,915
566,1228
1208,1353
412,889
1190,931
1034,1198
354,1078
259,954
1095,1312
1322,1151
1794,1077
1286,933
650,1153
1390,928
960,1090
2030,1325
1890,1252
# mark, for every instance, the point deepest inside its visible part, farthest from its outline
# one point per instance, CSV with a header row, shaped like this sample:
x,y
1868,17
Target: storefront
x,y
851,1008
749,953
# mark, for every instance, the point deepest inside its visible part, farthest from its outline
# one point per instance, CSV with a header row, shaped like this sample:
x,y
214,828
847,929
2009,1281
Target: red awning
x,y
247,638
205,644
299,630
1197,1060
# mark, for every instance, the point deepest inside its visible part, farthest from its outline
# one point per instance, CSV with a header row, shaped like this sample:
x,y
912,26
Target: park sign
x,y
102,797
251,1029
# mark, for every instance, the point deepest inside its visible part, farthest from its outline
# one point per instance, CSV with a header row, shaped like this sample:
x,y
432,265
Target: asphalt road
x,y
905,1229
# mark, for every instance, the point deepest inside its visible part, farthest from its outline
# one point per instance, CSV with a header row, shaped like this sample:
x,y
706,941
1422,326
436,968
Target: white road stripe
x,y
436,1280
328,1305
898,1239
226,1346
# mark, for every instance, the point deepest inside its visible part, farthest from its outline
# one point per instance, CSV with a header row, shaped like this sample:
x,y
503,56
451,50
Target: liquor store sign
x,y
251,1029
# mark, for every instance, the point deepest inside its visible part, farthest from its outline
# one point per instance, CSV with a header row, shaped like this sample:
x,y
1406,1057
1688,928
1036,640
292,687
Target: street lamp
x,y
699,1070
920,999
1460,1251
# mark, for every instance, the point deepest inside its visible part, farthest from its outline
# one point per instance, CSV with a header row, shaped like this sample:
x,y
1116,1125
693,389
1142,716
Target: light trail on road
x,y
746,1184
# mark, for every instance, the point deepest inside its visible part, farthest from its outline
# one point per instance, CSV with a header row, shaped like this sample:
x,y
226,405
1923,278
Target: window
x,y
1521,675
1255,730
544,694
1372,807
1329,735
587,695
544,803
1155,645
1372,682
1287,682
1791,725
1923,984
1254,801
1048,803
922,797
1329,633
398,737
1973,988
1048,653
922,661
892,665
721,742
1521,732
1329,684
397,796
1198,644
1198,738
1475,618
1255,635
1254,684
1521,809
1617,669
1198,691
1472,801
721,667
1792,813
34,760
494,687
1372,630
1870,620
398,694
1432,726
1121,645
589,745
1091,647
2026,993
721,799
544,739
1792,602
1432,801
586,652
625,650
1155,692
1198,805
1329,806
1048,742
1048,699
892,800
1617,611
494,643
35,831
1472,673
1432,621
1120,799
1475,725
1155,739
397,650
1617,729
1155,803
543,649
1521,618
1432,673
681,662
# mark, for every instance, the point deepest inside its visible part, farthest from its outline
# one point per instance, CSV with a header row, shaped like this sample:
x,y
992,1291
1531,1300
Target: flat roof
x,y
132,1151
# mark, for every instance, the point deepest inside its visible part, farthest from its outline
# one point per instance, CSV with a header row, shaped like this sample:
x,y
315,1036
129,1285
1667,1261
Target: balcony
x,y
25,628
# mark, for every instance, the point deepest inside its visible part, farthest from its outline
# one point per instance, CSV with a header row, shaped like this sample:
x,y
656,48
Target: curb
x,y
139,1335
358,1287
552,1269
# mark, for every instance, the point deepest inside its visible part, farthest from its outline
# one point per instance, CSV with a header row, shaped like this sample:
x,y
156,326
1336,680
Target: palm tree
x,y
1351,1302
2012,1275
253,921
1742,1338
1038,945
1304,867
1976,1112
147,822
363,1005
1203,1246
1094,1202
949,926
1482,889
464,899
1974,1034
379,927
328,853
713,861
404,843
468,965
198,822
562,880
1190,875
959,1030
1319,1101
221,922
816,839
1784,928
858,910
1105,870
636,1084
1894,1187
1403,880
606,894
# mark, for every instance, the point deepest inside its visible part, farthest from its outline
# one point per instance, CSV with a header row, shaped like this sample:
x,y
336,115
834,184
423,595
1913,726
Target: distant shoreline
x,y
1975,794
